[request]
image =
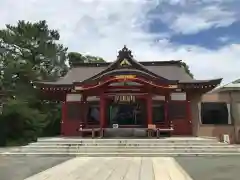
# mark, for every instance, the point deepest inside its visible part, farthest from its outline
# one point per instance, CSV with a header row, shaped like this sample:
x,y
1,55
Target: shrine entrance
x,y
125,111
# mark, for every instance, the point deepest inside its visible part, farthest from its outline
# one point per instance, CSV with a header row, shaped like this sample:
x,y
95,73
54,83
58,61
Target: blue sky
x,y
219,29
203,33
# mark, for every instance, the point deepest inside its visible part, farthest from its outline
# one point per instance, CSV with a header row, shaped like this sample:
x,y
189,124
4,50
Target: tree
x,y
29,52
187,69
75,57
94,59
34,46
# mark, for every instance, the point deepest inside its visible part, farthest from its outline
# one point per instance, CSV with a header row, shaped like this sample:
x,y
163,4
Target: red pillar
x,y
102,111
188,111
167,97
84,111
63,118
149,109
189,114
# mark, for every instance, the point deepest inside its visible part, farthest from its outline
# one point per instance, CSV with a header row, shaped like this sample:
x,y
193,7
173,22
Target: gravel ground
x,y
19,168
211,168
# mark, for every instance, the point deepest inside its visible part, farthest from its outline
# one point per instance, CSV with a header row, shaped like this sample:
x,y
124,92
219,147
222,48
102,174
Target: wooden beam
x,y
124,91
126,87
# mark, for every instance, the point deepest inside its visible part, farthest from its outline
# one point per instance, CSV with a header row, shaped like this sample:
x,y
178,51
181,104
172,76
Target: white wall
x,y
73,97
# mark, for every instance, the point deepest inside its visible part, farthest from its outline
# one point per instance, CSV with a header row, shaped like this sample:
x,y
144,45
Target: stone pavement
x,y
115,168
19,168
211,168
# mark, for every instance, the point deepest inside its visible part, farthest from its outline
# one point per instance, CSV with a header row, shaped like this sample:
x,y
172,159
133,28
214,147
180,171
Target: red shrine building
x,y
129,94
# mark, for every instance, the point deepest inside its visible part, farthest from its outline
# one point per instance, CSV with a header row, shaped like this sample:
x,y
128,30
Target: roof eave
x,y
203,82
50,84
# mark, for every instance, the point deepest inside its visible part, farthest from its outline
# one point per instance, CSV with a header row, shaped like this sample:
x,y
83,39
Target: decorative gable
x,y
125,63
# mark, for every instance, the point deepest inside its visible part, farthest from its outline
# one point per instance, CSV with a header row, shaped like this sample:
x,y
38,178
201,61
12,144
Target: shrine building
x,y
129,94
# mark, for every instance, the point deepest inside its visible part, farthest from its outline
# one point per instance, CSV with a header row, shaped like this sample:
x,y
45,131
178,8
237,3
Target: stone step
x,y
150,141
127,147
76,147
127,141
120,154
130,150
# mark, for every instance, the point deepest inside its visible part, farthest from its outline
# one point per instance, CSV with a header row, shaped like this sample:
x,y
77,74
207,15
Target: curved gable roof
x,y
168,70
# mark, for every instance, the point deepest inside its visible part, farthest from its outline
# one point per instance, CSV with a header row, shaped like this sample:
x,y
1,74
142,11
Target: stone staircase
x,y
172,146
125,132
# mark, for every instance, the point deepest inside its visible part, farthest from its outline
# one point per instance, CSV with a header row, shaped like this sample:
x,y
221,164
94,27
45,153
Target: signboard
x,y
73,97
173,86
78,88
115,126
124,98
125,76
178,96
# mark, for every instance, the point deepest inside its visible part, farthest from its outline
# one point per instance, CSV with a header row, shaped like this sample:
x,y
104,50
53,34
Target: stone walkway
x,y
115,168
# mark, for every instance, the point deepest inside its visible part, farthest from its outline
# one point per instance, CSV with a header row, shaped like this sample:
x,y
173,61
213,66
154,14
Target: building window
x,y
73,111
158,113
215,113
177,110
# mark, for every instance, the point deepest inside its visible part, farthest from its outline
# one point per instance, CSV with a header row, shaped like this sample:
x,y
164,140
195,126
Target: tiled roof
x,y
78,74
169,71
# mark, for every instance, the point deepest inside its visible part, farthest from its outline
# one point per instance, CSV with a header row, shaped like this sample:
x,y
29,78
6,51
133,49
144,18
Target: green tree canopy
x,y
75,57
187,69
29,52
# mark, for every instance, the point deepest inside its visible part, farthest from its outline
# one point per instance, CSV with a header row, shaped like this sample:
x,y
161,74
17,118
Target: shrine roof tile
x,y
171,71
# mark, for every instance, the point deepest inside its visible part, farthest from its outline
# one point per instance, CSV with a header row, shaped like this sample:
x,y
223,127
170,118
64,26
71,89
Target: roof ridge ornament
x,y
125,53
125,62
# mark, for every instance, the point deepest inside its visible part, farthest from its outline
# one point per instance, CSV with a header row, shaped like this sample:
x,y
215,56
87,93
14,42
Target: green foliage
x,y
53,115
94,59
186,67
22,122
29,52
75,58
33,50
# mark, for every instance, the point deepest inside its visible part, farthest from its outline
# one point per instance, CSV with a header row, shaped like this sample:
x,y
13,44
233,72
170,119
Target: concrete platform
x,y
114,168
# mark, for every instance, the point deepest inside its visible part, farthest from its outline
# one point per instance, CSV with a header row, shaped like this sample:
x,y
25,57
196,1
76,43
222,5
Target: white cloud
x,y
202,19
102,27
